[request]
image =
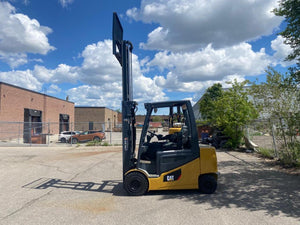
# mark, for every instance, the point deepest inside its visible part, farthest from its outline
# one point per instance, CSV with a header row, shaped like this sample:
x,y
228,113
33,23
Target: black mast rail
x,y
122,50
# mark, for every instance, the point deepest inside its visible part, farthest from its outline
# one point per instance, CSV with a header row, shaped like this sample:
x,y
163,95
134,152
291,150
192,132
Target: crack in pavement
x,y
31,202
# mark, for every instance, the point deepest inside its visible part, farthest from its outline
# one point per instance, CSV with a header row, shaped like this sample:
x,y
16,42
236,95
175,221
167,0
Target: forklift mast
x,y
122,50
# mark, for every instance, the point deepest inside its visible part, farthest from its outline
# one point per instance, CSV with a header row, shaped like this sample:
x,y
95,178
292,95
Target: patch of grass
x,y
105,144
257,133
97,143
93,143
266,153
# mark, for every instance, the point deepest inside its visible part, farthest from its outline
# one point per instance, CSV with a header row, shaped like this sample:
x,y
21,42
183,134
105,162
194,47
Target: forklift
x,y
171,159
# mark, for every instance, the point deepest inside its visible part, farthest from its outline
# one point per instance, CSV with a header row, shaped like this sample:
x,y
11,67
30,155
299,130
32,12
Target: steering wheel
x,y
152,133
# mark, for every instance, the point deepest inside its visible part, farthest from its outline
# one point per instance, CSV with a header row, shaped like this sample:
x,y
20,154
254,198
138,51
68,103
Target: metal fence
x,y
40,133
274,134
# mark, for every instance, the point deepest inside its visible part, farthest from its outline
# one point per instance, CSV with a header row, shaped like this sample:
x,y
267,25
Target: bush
x,y
291,155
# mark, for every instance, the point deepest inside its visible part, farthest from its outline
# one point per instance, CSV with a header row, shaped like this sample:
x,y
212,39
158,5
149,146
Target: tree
x,y
228,110
279,101
290,9
207,102
233,111
156,119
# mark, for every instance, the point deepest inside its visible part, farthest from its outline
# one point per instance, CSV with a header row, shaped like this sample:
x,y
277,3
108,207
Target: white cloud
x,y
100,68
20,35
101,75
281,52
144,88
53,89
193,24
14,59
63,73
92,95
188,71
65,3
99,64
23,79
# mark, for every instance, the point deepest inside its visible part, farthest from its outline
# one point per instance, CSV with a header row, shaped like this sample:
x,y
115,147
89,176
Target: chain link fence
x,y
280,136
40,133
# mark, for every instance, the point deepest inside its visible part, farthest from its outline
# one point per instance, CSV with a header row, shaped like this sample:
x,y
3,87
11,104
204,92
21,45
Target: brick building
x,y
27,111
95,118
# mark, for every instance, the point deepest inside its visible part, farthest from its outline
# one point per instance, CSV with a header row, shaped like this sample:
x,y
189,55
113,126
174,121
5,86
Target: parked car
x,y
66,135
90,135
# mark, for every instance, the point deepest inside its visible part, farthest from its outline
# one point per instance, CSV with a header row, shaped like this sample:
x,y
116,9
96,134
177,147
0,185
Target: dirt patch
x,y
88,205
94,205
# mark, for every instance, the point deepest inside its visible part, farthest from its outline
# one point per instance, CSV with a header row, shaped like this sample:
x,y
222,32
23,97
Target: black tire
x,y
63,140
207,184
97,139
136,184
74,140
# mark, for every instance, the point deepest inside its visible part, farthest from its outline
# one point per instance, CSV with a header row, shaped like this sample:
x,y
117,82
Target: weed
x,y
266,153
97,143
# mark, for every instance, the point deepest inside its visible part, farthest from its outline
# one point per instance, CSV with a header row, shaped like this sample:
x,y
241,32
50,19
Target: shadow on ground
x,y
106,186
249,188
244,185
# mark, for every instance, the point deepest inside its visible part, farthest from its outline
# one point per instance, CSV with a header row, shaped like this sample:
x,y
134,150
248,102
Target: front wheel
x,y
74,141
136,184
207,184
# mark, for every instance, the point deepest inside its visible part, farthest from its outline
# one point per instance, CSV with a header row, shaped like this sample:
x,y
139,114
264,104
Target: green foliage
x,y
290,9
266,153
233,111
156,119
93,143
229,110
105,144
291,157
207,102
97,143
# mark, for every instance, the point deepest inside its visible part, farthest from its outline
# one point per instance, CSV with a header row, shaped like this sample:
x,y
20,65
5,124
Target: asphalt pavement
x,y
82,185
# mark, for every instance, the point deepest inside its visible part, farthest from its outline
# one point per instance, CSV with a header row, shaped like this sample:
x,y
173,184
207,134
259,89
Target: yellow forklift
x,y
168,158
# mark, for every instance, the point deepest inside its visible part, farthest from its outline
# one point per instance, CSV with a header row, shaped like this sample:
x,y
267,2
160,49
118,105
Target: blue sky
x,y
63,47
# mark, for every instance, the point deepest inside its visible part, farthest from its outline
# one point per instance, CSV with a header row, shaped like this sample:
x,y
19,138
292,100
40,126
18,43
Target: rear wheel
x,y
207,184
63,140
97,139
136,183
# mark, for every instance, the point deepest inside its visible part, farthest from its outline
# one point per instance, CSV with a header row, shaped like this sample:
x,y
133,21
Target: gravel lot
x,y
82,185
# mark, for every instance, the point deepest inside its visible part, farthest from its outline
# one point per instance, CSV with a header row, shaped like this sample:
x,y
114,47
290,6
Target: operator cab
x,y
166,139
